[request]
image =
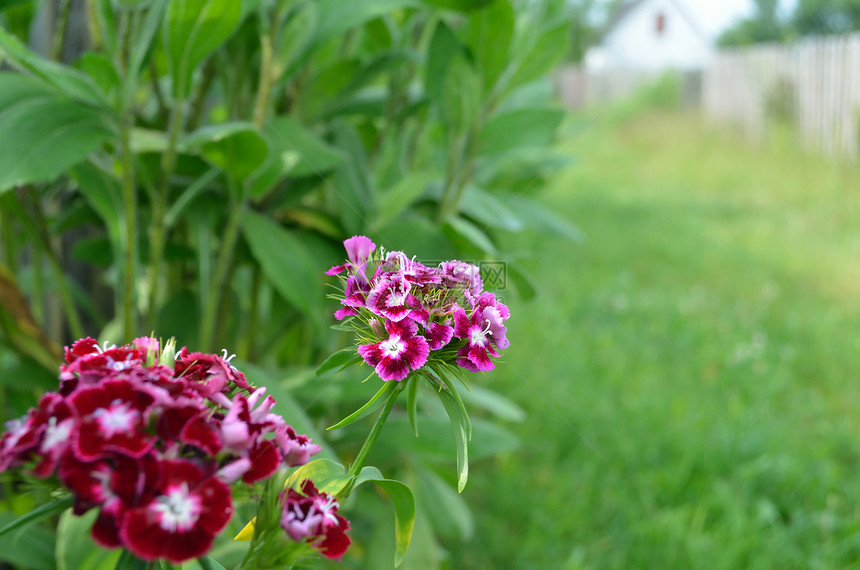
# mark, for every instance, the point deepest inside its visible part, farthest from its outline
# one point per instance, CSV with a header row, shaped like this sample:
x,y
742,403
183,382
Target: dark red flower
x,y
311,515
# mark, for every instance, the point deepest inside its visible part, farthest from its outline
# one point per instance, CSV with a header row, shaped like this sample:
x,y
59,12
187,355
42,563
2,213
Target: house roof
x,y
621,13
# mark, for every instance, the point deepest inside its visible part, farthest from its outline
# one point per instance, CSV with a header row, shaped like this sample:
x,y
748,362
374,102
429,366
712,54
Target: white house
x,y
651,36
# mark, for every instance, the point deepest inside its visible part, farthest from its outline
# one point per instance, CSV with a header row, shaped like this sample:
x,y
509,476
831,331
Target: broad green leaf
x,y
489,210
194,29
336,16
103,193
68,80
340,359
444,47
537,216
328,476
235,147
400,196
488,35
446,509
287,265
519,128
495,403
101,71
76,549
368,408
300,151
404,512
43,134
460,5
29,548
468,235
549,48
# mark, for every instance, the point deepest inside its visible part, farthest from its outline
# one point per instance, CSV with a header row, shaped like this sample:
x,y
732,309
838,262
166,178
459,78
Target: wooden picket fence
x,y
813,85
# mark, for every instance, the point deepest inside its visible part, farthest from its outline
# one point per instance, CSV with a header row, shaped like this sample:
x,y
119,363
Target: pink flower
x,y
358,250
208,374
402,350
183,517
475,355
390,298
311,515
296,448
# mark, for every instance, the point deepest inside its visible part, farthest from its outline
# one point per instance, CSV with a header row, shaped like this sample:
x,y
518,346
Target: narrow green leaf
x,y
296,34
469,234
29,548
151,23
548,49
337,16
495,403
538,217
43,134
353,187
76,549
340,359
188,195
412,403
207,563
368,408
443,48
447,510
328,476
460,424
460,5
524,284
38,514
298,150
194,29
67,80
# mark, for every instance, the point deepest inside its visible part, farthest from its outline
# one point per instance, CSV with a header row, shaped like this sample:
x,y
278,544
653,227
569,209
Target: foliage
x,y
821,17
191,171
765,25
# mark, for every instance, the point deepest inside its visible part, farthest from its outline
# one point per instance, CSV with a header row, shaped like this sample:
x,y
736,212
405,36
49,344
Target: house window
x,y
660,23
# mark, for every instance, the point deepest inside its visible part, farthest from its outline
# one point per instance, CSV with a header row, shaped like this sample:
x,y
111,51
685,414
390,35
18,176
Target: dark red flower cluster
x,y
412,310
312,516
154,447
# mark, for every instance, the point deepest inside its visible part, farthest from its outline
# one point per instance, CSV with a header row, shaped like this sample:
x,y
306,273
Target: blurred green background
x,y
679,391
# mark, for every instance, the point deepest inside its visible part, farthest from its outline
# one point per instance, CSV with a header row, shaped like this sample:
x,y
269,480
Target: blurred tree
x,y
819,17
765,25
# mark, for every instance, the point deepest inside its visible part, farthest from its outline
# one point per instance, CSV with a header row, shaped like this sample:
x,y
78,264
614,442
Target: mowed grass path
x,y
690,372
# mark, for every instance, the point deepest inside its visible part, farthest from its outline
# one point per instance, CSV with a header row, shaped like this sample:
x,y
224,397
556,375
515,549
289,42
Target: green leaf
x,y
68,80
337,16
495,403
489,210
237,148
524,284
287,265
412,403
6,4
328,476
549,48
488,35
539,217
444,47
468,234
76,549
43,134
459,423
299,151
459,5
188,195
296,34
461,99
353,187
519,128
404,509
447,510
143,41
368,408
340,359
400,196
104,195
194,29
30,548
37,514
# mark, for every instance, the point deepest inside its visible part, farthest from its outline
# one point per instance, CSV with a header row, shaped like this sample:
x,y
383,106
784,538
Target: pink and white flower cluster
x,y
311,515
413,312
154,447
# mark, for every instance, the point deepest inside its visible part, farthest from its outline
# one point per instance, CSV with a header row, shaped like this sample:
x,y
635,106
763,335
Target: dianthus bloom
x,y
153,441
312,516
409,314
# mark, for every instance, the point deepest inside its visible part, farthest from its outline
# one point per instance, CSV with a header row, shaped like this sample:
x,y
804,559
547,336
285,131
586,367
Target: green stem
x,y
60,30
222,266
364,452
265,86
129,194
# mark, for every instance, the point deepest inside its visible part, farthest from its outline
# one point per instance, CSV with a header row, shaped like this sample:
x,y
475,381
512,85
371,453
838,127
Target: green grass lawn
x,y
690,372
